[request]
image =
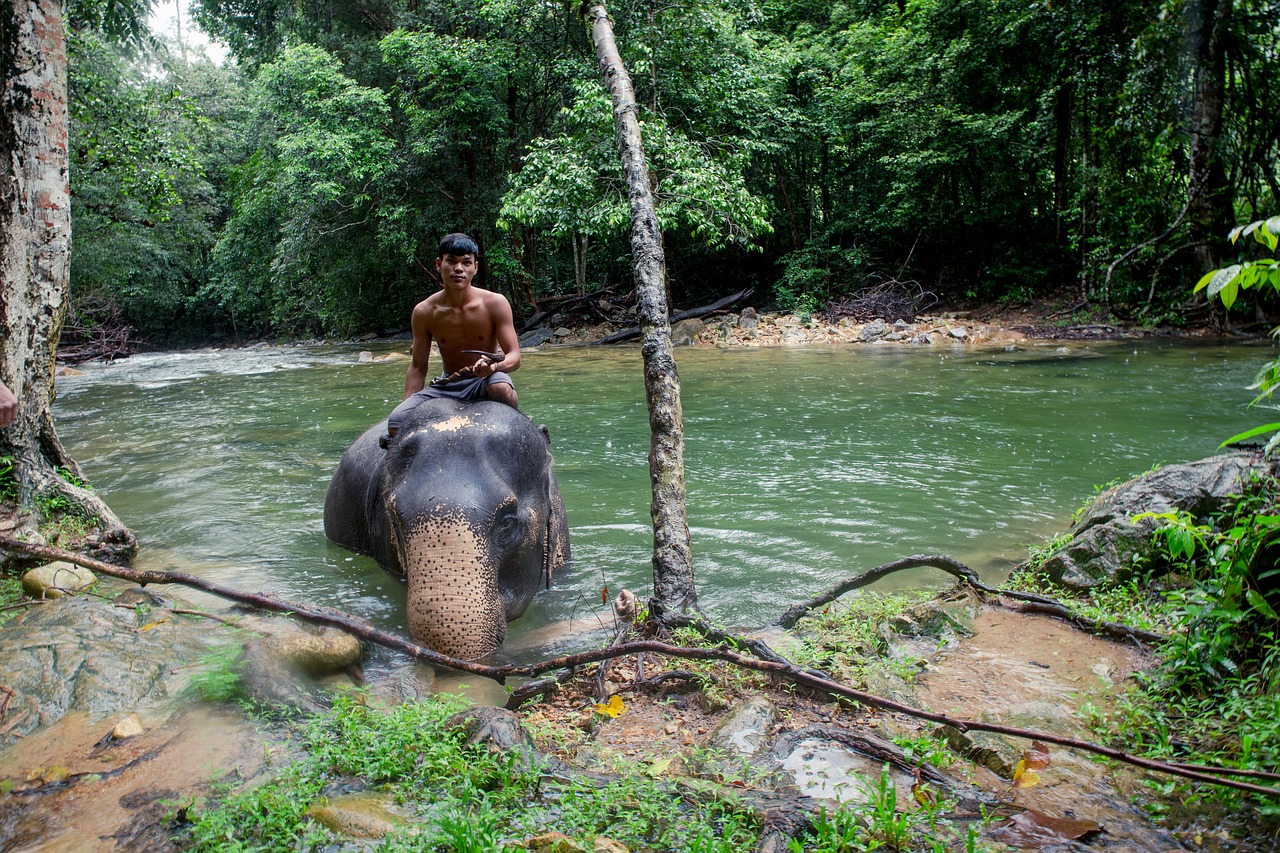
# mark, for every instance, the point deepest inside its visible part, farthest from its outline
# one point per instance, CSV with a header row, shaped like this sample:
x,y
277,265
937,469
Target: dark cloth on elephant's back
x,y
468,389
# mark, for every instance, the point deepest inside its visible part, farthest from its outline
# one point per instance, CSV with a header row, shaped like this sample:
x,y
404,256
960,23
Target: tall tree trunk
x,y
1209,203
35,243
673,588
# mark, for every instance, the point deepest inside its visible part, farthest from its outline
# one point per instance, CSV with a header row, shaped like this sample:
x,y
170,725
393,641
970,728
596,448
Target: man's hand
x,y
486,365
8,406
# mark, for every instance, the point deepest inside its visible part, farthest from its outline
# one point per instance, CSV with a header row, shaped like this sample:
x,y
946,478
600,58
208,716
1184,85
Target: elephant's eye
x,y
506,526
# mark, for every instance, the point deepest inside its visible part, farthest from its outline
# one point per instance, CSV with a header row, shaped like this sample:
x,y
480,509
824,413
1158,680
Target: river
x,y
804,465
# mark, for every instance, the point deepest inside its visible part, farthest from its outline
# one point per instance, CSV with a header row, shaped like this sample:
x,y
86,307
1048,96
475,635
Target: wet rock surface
x,y
1111,536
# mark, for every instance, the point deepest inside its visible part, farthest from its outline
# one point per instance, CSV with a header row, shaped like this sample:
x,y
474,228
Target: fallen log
x,y
692,313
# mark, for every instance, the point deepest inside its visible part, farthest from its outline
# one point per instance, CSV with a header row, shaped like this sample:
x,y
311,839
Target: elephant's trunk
x,y
454,606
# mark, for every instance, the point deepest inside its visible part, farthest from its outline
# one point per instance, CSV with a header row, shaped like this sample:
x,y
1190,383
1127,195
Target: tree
x,y
573,185
35,243
673,588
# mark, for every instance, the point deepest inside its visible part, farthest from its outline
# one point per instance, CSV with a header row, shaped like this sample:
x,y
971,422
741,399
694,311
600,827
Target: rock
x,y
501,732
365,357
391,356
313,649
744,731
685,333
749,319
533,337
608,845
280,669
1107,542
563,332
362,815
900,324
994,752
873,331
553,842
81,653
54,580
960,333
63,370
368,336
128,727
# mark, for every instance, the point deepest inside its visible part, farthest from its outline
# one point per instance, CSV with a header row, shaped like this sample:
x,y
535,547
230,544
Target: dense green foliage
x,y
987,150
1213,589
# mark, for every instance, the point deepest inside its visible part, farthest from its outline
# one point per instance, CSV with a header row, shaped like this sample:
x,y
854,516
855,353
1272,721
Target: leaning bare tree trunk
x,y
673,590
35,244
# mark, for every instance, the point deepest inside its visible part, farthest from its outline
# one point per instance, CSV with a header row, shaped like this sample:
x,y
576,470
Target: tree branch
x,y
785,670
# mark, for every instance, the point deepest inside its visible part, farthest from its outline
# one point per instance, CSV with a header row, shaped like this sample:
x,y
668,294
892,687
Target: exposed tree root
x,y
782,670
1032,603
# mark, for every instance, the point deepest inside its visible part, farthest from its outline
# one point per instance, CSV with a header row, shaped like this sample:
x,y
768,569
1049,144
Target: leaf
x,y
1220,278
1033,829
1204,280
1035,759
156,624
924,795
604,594
1250,434
1260,604
612,709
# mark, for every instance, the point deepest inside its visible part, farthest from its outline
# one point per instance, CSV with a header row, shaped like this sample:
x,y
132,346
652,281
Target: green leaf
x,y
1260,604
1229,292
1204,280
1220,278
1250,433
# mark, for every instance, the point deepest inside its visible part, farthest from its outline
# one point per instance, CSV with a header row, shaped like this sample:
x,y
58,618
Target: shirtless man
x,y
466,322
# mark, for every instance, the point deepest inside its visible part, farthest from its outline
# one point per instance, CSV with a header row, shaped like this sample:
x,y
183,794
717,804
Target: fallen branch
x,y
952,567
692,313
1032,603
1111,630
787,671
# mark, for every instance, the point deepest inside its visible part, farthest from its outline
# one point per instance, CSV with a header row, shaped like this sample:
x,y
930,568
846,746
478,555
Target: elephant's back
x,y
349,500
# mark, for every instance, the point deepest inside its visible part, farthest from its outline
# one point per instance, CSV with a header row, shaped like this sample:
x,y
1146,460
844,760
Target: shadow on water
x,y
804,465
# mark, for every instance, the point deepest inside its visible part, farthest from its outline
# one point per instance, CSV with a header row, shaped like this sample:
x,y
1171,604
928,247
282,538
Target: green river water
x,y
804,465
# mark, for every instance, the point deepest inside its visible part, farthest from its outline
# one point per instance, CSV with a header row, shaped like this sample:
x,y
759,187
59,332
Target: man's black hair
x,y
458,244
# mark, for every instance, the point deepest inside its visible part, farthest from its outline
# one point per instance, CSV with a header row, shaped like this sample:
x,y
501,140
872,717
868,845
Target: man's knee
x,y
501,392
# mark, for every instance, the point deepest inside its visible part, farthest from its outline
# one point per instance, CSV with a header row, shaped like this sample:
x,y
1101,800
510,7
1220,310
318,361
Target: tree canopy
x,y
991,151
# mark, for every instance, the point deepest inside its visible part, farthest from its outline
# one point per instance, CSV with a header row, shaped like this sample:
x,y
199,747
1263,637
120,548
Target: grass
x,y
463,796
845,638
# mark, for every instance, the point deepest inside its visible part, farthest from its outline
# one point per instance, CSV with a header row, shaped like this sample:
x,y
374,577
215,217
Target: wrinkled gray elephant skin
x,y
464,505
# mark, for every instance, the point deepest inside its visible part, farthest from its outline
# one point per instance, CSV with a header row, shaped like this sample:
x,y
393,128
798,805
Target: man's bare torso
x,y
469,326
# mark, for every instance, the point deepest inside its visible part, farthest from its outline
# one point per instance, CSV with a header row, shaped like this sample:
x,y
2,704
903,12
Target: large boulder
x,y
1109,539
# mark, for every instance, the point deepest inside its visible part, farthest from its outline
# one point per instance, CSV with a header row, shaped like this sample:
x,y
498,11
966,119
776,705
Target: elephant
x,y
464,506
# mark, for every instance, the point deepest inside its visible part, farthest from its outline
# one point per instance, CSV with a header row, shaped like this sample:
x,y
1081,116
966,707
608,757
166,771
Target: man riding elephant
x,y
474,330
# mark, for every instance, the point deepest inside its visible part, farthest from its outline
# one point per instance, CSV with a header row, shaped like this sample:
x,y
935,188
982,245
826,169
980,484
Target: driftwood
x,y
692,313
886,300
108,340
783,670
553,305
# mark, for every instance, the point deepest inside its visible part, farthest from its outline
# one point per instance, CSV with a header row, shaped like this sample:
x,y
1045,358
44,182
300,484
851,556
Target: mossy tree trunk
x,y
35,243
1210,209
673,588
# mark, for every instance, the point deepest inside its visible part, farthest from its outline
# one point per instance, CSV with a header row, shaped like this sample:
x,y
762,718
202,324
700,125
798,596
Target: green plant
x,y
1226,283
217,678
8,482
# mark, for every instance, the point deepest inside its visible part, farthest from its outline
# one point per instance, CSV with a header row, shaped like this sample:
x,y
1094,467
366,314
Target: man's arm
x,y
504,332
8,406
415,378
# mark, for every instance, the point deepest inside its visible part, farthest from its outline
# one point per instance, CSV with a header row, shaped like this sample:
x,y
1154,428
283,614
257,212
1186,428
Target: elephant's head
x,y
474,520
